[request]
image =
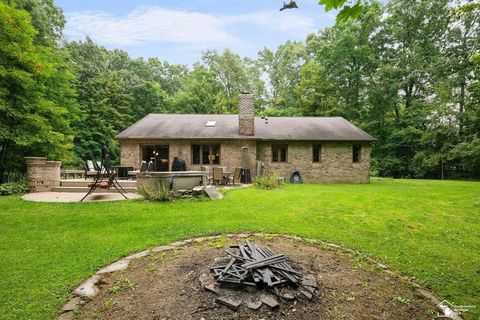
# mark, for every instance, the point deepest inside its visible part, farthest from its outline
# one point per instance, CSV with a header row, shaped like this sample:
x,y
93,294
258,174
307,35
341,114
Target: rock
x,y
309,280
309,289
116,266
429,296
270,301
213,193
71,305
66,316
180,243
198,189
162,248
221,259
254,304
230,302
207,283
137,255
332,245
288,296
307,294
211,288
88,288
260,234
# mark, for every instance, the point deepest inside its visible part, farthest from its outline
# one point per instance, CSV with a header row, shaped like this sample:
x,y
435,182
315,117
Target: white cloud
x,y
166,26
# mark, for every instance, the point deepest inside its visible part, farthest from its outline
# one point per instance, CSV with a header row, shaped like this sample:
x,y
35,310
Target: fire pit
x,y
188,282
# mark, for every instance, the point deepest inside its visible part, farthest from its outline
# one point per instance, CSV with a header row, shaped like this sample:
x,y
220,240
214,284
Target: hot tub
x,y
178,180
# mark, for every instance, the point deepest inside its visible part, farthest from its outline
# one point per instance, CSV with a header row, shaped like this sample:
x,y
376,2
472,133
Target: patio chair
x,y
106,178
90,170
151,166
236,176
100,167
143,166
105,184
217,175
209,174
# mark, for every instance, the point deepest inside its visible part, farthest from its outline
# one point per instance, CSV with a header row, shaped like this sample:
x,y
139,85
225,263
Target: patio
x,y
76,196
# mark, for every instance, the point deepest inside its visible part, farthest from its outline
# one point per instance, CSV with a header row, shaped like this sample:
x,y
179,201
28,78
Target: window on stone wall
x,y
195,154
316,153
279,152
205,154
356,152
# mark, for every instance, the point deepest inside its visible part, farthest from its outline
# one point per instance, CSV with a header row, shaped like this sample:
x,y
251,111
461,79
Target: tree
x,y
348,56
316,95
346,12
37,103
46,18
200,92
282,69
231,73
462,42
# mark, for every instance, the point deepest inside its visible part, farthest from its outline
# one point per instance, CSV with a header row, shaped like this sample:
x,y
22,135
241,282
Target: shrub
x,y
161,193
268,181
13,187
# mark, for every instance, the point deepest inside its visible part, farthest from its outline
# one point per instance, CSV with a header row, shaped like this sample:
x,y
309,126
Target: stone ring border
x,y
88,289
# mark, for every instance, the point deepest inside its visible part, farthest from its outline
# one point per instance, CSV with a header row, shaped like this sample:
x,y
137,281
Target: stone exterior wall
x,y
42,174
336,165
233,154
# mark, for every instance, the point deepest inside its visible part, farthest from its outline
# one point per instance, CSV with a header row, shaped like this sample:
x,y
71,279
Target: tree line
x,y
407,72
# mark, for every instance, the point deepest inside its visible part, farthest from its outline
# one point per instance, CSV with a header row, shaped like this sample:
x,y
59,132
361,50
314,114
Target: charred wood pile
x,y
257,267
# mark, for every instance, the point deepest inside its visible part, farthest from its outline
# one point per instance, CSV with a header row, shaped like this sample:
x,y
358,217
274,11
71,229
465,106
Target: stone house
x,y
321,149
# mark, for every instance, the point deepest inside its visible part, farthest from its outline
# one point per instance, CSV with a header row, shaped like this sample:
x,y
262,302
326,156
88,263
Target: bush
x,y
268,181
13,187
161,193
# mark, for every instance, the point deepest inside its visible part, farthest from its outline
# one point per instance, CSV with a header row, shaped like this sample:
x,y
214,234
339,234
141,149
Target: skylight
x,y
211,123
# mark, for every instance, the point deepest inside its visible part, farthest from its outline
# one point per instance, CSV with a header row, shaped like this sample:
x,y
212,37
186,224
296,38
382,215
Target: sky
x,y
179,30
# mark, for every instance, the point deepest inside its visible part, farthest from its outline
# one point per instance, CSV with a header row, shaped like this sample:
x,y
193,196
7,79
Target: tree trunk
x,y
3,152
408,95
442,168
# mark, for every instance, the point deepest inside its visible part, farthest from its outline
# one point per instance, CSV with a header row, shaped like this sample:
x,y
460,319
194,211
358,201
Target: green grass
x,y
428,229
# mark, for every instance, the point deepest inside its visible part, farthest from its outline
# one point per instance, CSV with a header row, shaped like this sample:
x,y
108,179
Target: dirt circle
x,y
166,286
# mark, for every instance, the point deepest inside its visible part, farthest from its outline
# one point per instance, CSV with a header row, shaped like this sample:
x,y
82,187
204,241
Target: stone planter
x,y
42,175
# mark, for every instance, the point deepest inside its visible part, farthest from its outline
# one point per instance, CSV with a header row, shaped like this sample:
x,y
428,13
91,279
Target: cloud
x,y
157,25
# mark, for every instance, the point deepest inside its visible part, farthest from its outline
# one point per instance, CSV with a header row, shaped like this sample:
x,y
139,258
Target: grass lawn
x,y
428,229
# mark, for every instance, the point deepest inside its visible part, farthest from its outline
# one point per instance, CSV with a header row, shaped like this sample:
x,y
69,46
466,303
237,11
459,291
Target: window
x,y
279,152
205,154
316,152
356,152
195,154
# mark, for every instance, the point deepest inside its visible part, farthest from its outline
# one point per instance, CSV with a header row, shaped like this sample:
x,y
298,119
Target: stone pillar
x,y
246,120
42,174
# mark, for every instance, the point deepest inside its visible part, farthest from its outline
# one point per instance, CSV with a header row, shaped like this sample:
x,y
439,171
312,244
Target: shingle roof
x,y
193,126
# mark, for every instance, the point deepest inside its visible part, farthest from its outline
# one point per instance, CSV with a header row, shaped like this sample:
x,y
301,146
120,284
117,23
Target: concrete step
x,y
85,189
84,183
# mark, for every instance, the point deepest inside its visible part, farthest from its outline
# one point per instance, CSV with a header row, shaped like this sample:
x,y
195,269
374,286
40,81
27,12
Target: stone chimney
x,y
246,126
